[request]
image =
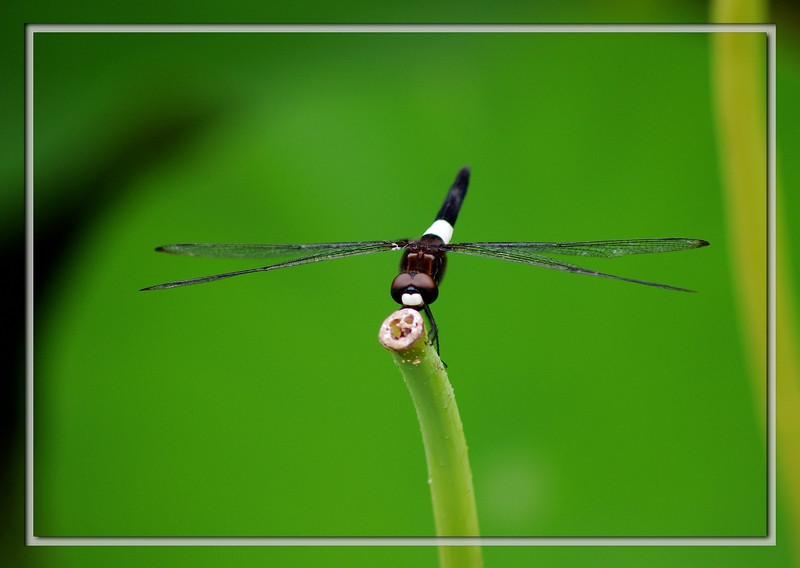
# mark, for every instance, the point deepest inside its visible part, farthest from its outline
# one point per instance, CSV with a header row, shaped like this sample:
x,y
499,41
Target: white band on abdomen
x,y
441,229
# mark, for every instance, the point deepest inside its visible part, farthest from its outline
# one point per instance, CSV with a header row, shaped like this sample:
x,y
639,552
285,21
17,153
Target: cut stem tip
x,y
402,330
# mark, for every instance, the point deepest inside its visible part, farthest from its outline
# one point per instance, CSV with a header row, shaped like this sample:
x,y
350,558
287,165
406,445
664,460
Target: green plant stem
x,y
739,76
740,101
740,93
449,474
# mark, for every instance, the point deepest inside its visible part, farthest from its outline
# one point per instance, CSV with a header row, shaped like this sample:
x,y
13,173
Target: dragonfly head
x,y
414,289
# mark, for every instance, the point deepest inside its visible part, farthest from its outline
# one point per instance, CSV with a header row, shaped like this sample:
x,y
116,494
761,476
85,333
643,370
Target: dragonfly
x,y
423,260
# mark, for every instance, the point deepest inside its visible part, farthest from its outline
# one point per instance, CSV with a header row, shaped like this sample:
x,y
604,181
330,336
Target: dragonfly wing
x,y
243,250
528,257
605,249
325,251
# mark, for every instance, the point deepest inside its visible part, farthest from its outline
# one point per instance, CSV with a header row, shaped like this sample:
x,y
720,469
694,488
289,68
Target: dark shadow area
x,y
92,188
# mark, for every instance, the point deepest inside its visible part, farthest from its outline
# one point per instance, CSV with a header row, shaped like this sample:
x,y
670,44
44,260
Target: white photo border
x,y
768,29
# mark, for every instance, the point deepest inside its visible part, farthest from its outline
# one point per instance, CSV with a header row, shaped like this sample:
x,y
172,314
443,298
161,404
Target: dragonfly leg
x,y
434,334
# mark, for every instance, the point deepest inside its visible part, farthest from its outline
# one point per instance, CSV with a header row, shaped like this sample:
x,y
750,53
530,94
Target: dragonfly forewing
x,y
328,251
528,256
604,249
244,250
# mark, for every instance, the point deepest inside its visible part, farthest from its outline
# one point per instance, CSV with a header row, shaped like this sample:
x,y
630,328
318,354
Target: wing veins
x,y
555,264
604,249
328,253
244,250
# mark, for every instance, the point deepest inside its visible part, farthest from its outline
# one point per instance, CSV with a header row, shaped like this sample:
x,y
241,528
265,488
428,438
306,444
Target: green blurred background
x,y
264,406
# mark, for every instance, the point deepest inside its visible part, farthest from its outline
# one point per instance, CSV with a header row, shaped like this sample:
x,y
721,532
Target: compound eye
x,y
414,289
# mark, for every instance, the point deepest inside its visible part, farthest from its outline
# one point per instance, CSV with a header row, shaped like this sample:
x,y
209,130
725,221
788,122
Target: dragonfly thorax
x,y
421,270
